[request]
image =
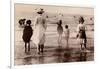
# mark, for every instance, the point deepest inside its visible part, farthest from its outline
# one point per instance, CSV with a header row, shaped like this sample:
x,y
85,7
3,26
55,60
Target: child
x,y
60,31
22,22
81,34
27,34
66,34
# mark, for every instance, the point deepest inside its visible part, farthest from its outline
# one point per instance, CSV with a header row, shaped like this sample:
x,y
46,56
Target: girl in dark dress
x,y
81,33
27,34
60,31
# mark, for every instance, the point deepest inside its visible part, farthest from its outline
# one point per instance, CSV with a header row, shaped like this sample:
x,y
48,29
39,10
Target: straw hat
x,y
41,11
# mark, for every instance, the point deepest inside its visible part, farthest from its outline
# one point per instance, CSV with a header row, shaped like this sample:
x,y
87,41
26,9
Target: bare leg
x,y
25,47
60,40
29,46
38,48
81,46
85,43
67,43
42,47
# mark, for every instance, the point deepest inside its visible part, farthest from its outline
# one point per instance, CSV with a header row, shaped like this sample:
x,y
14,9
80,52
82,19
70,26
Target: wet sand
x,y
53,55
52,52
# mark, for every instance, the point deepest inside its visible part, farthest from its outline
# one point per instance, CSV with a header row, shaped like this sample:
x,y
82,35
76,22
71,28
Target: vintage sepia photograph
x,y
45,34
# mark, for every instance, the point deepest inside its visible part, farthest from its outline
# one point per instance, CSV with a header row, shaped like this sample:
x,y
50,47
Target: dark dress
x,y
82,35
60,28
27,33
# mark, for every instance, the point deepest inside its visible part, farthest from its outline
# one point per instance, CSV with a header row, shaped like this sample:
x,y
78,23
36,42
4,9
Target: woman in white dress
x,y
39,31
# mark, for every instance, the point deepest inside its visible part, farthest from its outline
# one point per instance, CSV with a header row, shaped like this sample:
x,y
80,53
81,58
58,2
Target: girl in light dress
x,y
67,33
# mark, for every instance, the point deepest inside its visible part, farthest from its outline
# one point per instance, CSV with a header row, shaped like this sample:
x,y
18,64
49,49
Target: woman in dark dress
x,y
60,31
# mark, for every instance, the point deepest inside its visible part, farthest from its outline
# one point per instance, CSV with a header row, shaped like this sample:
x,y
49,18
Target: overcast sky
x,y
22,8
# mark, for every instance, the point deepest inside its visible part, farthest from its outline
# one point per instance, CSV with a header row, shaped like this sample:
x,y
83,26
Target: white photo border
x,y
12,34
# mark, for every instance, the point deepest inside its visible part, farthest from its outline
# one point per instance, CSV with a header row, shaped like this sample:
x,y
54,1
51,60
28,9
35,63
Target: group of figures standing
x,y
37,33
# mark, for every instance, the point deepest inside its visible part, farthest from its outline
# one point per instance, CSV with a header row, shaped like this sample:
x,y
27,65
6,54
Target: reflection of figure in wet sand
x,y
27,34
41,59
81,34
67,35
67,56
27,60
60,32
39,31
59,54
83,56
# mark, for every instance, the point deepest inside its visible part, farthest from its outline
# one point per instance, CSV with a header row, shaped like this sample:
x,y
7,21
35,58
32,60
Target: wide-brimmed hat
x,y
41,11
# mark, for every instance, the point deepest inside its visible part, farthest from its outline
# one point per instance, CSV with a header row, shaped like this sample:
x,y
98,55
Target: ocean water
x,y
56,54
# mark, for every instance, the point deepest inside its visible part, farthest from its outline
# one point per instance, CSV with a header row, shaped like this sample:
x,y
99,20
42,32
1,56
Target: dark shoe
x,y
38,52
25,50
39,48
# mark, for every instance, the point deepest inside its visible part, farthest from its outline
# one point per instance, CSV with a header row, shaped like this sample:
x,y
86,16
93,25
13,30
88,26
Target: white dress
x,y
67,34
39,30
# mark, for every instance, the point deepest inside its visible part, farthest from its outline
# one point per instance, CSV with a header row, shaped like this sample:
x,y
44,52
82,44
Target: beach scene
x,y
52,52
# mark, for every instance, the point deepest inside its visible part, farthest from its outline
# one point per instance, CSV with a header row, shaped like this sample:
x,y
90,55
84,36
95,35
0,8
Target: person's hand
x,y
77,35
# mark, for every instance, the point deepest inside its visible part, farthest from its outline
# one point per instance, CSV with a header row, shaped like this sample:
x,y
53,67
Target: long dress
x,y
60,28
39,30
67,34
27,33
